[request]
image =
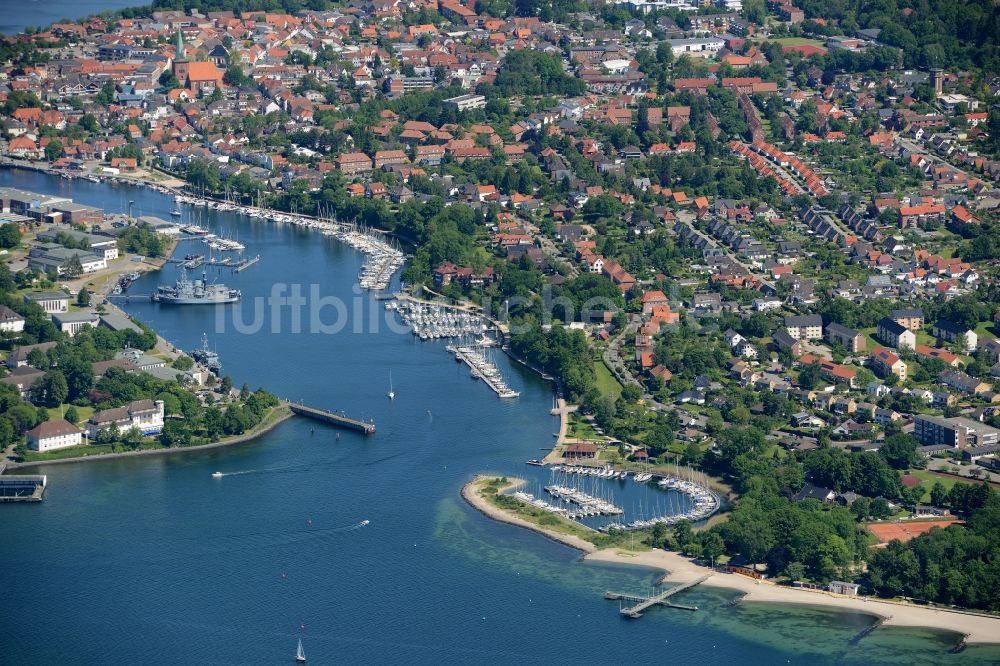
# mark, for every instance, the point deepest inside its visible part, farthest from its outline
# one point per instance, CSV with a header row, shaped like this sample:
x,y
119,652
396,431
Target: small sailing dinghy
x,y
300,654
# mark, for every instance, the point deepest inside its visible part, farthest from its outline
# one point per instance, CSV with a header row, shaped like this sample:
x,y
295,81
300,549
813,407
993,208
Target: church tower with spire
x,y
181,65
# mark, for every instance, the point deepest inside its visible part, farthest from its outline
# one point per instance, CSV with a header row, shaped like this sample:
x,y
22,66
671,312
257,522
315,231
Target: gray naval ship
x,y
195,292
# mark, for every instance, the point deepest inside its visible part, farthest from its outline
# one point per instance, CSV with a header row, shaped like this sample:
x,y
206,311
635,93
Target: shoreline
x,y
283,414
974,628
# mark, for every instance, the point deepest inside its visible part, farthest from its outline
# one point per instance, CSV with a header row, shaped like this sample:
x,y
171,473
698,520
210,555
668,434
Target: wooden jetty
x,y
325,416
642,604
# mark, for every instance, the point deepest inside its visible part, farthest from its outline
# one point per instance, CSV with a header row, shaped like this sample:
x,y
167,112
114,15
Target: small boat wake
x,y
266,470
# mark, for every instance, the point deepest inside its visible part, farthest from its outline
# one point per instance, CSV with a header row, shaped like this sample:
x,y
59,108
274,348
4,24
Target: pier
x,y
643,604
22,488
244,264
225,262
339,420
483,369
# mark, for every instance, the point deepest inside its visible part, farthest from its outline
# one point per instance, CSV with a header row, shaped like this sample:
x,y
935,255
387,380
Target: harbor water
x,y
153,561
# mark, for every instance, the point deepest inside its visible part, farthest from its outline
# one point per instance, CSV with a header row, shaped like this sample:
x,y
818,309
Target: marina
x,y
588,505
384,258
432,322
606,498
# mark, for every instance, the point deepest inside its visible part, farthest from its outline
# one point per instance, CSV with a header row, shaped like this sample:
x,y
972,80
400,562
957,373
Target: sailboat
x,y
300,654
392,394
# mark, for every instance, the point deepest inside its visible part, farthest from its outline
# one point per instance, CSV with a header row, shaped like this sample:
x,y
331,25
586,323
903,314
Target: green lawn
x,y
606,382
83,412
82,451
985,331
797,41
928,480
580,428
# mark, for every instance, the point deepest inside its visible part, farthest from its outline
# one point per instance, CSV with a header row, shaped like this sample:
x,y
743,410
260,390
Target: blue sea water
x,y
153,561
19,14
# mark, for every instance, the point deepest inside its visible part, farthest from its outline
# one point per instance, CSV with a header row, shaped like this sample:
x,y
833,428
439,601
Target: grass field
x,y
985,331
928,480
606,382
580,428
798,41
83,412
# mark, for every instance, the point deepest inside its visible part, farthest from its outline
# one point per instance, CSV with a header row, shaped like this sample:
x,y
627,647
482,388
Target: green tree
x,y
83,297
631,393
54,388
106,95
712,546
169,81
939,494
73,267
899,450
53,150
10,235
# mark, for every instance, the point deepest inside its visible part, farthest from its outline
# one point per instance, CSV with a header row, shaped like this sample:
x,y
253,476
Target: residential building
x,y
848,338
466,102
955,432
50,435
805,327
894,334
885,363
354,163
10,321
963,383
911,318
949,331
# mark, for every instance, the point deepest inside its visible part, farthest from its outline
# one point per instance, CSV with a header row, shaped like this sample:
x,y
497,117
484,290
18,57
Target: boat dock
x,y
643,604
325,416
483,368
22,488
225,262
244,264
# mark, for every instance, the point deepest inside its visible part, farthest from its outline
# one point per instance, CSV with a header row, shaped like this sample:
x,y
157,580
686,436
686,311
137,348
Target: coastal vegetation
x,y
492,490
955,566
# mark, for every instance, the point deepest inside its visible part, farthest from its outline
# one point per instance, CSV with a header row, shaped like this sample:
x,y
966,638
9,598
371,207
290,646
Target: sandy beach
x,y
679,569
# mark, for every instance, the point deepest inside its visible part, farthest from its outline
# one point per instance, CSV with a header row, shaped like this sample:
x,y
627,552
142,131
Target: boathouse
x,y
581,450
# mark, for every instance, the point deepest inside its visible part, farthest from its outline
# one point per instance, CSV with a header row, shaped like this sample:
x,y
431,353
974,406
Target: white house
x,y
146,415
50,435
10,321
